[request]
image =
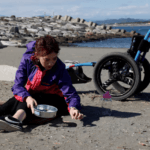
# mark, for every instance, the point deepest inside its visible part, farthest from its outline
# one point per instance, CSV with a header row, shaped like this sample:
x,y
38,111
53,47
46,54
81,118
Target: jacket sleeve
x,y
69,92
21,78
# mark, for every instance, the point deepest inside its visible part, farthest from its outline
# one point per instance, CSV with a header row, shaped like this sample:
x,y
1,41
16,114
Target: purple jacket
x,y
31,79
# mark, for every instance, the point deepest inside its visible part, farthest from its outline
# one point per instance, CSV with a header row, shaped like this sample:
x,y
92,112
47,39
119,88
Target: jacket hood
x,y
30,47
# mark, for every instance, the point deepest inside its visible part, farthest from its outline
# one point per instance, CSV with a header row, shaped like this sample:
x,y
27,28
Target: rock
x,y
3,28
102,27
42,33
32,30
123,31
94,24
47,29
4,38
40,29
14,30
115,30
13,16
132,32
89,29
2,33
108,28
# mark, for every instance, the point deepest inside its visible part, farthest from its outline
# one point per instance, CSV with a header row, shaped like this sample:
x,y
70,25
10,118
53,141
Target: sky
x,y
84,9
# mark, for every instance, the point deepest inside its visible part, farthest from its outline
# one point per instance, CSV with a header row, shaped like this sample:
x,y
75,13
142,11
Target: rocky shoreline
x,y
18,31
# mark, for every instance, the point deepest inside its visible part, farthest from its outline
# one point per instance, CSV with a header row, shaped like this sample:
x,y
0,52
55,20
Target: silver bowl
x,y
45,111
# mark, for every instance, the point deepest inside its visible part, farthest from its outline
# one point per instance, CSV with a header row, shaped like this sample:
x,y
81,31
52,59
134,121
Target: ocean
x,y
116,42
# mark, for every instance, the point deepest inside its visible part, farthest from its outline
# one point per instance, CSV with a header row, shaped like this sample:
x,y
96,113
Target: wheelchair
x,y
122,74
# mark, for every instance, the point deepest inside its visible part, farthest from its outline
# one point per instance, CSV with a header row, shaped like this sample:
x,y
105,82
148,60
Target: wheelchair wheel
x,y
145,77
123,69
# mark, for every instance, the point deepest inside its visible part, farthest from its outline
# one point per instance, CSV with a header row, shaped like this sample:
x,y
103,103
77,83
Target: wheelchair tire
x,y
106,62
144,82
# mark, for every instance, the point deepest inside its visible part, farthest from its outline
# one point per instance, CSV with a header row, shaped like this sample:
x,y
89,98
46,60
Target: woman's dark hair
x,y
44,46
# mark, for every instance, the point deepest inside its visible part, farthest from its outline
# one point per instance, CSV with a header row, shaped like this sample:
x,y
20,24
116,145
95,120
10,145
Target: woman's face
x,y
48,61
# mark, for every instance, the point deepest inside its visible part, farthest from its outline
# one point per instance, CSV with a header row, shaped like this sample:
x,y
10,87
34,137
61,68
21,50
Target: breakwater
x,y
18,31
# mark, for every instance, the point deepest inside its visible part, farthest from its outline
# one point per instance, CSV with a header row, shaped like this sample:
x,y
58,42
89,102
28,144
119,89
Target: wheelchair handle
x,y
147,36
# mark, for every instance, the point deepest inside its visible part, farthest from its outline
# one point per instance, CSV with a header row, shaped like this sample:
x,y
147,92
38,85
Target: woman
x,y
40,79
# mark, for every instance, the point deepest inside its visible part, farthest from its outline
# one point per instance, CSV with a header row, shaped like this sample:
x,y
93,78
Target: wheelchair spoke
x,y
108,82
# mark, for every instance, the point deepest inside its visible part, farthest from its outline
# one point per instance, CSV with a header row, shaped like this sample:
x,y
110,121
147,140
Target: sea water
x,y
116,42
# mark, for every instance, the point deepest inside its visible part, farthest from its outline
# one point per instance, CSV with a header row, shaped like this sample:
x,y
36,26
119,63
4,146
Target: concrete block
x,y
82,20
75,20
69,18
102,27
55,17
108,28
88,23
58,16
94,24
64,18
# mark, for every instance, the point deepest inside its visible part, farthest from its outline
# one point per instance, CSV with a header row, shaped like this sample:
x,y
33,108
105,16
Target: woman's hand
x,y
30,103
75,114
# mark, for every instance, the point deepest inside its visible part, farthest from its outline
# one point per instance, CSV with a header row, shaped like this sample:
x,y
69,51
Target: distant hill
x,y
121,20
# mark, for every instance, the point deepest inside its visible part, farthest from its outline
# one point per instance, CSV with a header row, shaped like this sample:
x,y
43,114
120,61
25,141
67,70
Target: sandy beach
x,y
128,128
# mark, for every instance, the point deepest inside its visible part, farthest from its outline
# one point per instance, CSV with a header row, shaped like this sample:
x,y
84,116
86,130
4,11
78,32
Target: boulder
x,y
47,29
4,38
13,16
42,33
14,30
2,32
123,31
132,32
40,28
32,30
89,29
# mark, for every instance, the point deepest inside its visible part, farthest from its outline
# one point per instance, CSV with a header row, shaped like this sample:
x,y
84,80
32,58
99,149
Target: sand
x,y
127,129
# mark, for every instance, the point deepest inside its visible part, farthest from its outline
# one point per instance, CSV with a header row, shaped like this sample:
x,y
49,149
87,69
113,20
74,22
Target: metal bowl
x,y
45,111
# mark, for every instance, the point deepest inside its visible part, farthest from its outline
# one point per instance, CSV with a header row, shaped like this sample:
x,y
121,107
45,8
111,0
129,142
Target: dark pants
x,y
12,105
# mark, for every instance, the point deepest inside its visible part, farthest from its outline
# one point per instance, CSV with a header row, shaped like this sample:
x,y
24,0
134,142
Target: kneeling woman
x,y
40,79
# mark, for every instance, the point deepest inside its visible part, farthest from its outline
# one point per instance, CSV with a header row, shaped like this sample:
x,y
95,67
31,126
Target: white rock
x,y
40,29
32,30
42,33
47,29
